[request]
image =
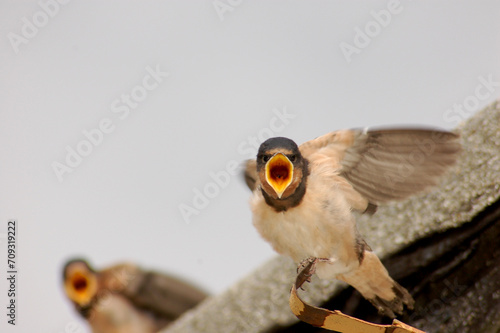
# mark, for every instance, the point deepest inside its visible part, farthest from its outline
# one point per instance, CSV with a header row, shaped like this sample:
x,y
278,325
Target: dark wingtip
x,y
249,174
396,305
370,209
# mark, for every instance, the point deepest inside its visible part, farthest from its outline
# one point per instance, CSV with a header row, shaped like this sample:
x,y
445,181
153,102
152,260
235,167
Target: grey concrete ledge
x,y
260,301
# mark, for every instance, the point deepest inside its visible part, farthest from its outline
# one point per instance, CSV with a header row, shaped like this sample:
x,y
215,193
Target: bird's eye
x,y
292,158
264,158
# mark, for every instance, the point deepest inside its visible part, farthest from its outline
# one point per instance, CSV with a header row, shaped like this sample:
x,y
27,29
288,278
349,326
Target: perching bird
x,y
125,299
304,197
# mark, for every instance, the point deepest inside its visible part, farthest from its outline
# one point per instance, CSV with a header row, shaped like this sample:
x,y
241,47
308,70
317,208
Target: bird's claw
x,y
307,268
304,263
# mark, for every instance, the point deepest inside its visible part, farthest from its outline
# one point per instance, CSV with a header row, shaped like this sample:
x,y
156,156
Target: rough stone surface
x,y
260,301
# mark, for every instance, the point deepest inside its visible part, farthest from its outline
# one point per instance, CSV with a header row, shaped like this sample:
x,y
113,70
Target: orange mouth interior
x,y
279,173
80,283
81,287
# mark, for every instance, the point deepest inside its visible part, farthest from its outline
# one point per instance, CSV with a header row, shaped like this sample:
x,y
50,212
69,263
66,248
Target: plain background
x,y
229,73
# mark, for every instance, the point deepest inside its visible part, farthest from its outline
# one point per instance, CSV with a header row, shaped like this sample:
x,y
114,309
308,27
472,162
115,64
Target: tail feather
x,y
371,279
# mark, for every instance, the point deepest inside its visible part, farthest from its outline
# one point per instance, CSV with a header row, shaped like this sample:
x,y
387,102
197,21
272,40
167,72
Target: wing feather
x,y
250,174
163,295
388,164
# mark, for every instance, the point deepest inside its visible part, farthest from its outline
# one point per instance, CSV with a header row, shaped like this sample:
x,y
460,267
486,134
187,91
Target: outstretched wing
x,y
387,164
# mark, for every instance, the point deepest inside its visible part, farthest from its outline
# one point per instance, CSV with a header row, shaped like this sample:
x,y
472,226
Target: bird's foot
x,y
307,268
304,263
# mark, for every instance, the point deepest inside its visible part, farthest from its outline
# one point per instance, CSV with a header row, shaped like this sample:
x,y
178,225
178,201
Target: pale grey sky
x,y
122,122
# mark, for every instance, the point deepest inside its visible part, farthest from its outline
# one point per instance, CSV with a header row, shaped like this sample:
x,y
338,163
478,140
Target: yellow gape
x,y
80,284
279,173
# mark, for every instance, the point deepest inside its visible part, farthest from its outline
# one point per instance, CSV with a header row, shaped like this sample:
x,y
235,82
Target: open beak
x,y
279,173
81,287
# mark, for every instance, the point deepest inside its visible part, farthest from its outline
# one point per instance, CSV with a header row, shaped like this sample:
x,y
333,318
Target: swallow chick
x,y
126,299
304,197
